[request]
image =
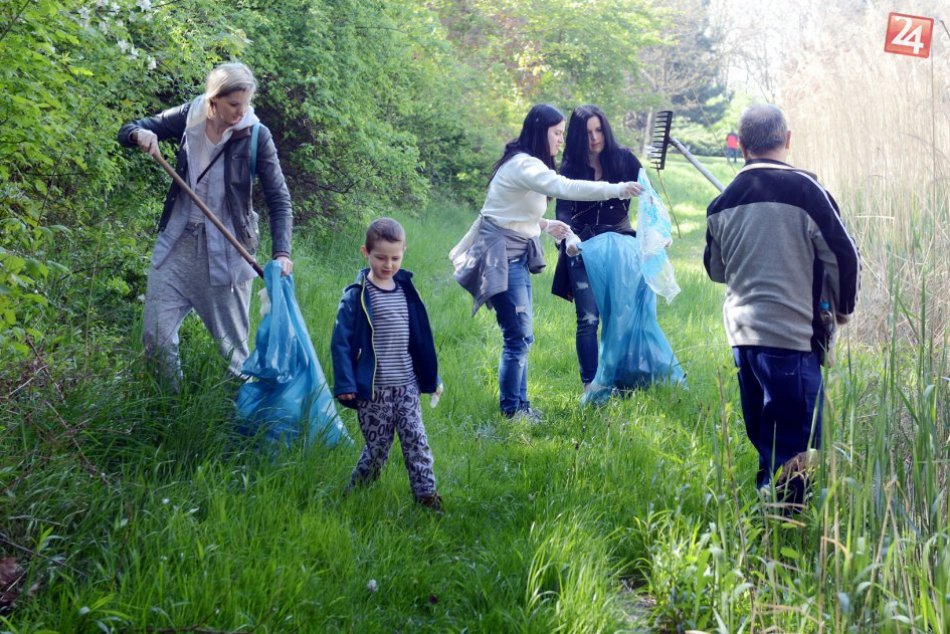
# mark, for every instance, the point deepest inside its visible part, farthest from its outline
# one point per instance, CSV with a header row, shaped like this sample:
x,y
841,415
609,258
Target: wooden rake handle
x,y
207,212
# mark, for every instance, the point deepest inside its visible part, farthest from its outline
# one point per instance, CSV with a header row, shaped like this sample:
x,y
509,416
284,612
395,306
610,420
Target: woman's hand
x,y
632,189
147,140
346,397
572,245
286,264
555,228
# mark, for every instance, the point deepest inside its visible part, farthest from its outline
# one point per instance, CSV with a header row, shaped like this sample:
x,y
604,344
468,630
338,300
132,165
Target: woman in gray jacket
x,y
193,266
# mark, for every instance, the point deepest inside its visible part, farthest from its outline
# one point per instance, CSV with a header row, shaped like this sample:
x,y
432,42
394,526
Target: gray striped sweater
x,y
775,237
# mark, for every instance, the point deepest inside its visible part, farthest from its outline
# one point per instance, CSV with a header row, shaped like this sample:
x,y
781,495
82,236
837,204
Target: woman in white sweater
x,y
496,257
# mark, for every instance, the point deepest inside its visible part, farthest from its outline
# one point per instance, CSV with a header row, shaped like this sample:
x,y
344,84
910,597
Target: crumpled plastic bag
x,y
287,396
634,352
654,231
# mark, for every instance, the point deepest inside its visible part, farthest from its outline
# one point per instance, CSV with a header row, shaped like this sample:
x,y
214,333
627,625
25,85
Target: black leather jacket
x,y
589,219
171,124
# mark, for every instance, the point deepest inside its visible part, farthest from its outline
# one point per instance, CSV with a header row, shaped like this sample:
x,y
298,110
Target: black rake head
x,y
660,139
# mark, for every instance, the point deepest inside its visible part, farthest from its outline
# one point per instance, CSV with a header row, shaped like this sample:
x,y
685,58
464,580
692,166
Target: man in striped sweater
x,y
775,238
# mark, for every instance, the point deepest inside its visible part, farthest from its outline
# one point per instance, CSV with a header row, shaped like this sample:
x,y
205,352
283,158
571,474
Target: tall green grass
x,y
136,511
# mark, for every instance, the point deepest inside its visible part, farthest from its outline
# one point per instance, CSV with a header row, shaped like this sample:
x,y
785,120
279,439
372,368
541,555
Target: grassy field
x,y
134,511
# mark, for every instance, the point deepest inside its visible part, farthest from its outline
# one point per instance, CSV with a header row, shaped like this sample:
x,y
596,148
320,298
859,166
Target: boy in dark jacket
x,y
383,358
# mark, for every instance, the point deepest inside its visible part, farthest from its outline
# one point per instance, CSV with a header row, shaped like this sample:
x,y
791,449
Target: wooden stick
x,y
207,212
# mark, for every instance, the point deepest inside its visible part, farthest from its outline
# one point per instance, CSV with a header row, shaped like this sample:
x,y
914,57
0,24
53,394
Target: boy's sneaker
x,y
432,502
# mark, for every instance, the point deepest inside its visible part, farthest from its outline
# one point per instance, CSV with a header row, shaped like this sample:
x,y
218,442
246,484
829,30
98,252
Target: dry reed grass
x,y
876,128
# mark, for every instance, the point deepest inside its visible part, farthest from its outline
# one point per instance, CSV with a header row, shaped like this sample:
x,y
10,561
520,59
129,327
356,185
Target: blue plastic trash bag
x,y
654,232
287,396
634,352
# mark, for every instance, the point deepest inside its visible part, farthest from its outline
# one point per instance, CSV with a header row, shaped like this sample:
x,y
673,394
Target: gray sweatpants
x,y
183,284
394,410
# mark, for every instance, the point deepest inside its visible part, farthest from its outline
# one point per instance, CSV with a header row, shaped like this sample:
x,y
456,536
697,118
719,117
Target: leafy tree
x,y
546,50
685,72
68,72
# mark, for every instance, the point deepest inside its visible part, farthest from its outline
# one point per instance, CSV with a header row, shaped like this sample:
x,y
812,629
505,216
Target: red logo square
x,y
908,35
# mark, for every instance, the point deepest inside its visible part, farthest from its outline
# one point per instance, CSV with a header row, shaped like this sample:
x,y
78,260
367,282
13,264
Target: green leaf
x,y
36,269
12,263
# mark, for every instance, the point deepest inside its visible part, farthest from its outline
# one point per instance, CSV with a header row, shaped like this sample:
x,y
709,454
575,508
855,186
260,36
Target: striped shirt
x,y
390,336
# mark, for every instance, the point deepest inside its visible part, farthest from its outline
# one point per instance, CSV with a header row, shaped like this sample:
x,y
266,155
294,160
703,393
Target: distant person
x,y
494,260
732,146
383,357
590,153
776,239
194,267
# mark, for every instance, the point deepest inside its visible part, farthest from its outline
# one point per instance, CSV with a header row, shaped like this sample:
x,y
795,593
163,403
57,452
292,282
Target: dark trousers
x,y
588,319
782,395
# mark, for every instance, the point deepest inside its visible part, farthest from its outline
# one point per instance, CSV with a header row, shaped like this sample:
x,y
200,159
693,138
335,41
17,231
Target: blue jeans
x,y
588,319
781,393
514,313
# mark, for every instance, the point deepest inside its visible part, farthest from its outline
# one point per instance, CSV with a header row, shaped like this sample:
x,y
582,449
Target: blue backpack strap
x,y
255,132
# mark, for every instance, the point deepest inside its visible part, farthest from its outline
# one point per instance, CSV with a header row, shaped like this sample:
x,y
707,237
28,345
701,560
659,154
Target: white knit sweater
x,y
517,195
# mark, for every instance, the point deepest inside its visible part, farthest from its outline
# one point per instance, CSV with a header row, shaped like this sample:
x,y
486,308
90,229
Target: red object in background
x,y
908,35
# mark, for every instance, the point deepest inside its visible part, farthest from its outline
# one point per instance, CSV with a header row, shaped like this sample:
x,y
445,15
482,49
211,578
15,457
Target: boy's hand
x,y
434,399
346,397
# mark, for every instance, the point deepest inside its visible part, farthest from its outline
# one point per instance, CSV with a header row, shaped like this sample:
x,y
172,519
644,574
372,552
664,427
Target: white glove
x,y
557,229
572,245
630,189
147,140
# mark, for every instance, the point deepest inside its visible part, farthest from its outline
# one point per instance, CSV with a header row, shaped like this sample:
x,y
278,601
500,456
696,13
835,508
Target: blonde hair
x,y
225,79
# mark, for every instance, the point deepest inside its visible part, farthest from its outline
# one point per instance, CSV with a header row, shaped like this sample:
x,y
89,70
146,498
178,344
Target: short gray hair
x,y
762,127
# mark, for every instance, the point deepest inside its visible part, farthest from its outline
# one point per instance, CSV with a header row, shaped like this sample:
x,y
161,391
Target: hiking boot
x,y
432,502
793,483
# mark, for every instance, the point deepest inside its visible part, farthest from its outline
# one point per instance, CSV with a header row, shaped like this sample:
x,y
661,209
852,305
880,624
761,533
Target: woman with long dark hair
x,y
496,257
591,153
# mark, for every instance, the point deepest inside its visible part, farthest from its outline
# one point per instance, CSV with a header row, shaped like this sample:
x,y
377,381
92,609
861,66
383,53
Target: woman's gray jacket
x,y
226,265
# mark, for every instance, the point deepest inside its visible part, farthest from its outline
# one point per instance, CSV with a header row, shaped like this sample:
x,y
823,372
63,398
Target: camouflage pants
x,y
394,410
